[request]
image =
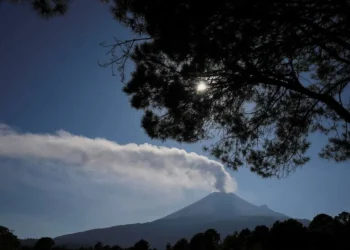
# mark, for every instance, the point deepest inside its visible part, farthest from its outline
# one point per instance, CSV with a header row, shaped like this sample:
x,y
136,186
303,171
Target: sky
x,y
74,157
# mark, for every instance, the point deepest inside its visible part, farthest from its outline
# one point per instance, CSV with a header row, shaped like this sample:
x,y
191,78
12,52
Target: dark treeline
x,y
323,232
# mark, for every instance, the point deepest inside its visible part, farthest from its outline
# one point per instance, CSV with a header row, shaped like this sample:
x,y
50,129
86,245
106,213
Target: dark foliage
x,y
324,232
48,8
275,72
8,241
44,243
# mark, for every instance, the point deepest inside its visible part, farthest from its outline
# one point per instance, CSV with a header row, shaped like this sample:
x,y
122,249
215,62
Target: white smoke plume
x,y
146,165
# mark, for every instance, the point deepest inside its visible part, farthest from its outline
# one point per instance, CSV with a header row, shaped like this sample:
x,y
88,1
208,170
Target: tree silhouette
x,y
48,8
106,247
44,243
141,245
231,242
343,230
260,237
211,239
244,239
322,223
8,241
323,233
181,244
197,242
98,246
344,218
116,248
289,234
257,77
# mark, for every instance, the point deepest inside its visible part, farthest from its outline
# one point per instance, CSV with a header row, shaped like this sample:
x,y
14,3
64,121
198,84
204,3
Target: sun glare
x,y
201,86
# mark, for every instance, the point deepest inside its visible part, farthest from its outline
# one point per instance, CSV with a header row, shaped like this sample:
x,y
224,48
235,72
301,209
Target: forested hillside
x,y
323,232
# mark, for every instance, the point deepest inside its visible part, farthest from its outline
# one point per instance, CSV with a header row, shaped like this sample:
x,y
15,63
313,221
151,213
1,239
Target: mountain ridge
x,y
231,205
224,212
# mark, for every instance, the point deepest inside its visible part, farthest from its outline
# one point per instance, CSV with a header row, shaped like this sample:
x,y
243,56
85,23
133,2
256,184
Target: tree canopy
x,y
48,8
45,243
255,77
8,241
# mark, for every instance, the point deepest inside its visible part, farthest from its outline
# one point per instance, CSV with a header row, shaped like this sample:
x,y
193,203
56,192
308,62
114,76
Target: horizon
x,y
74,157
165,217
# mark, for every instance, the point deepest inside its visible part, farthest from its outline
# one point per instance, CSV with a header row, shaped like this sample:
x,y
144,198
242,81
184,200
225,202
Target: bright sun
x,y
201,86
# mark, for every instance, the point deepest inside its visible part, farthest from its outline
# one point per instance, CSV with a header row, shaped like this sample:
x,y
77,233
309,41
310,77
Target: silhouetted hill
x,y
223,212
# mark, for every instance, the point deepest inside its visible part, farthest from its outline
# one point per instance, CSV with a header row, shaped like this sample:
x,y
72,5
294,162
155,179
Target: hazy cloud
x,y
142,165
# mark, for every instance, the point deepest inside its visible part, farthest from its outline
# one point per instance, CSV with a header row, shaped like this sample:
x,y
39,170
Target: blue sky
x,y
50,81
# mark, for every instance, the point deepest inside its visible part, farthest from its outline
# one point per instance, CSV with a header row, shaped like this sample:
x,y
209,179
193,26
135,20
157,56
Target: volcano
x,y
221,206
224,212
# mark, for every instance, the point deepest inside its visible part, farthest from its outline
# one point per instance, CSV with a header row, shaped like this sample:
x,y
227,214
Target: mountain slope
x,y
223,212
223,206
